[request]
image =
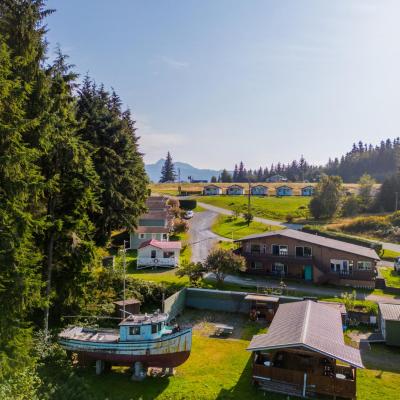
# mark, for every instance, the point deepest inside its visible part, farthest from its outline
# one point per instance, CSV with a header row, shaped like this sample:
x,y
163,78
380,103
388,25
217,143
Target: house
x,y
277,178
155,253
259,190
156,223
212,190
389,323
234,190
284,191
304,353
307,190
294,254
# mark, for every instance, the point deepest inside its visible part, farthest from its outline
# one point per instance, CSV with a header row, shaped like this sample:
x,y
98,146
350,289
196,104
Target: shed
x,y
284,191
259,190
389,323
307,190
234,190
212,190
132,306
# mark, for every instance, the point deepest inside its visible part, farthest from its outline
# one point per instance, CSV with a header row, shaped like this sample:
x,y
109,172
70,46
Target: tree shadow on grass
x,y
381,357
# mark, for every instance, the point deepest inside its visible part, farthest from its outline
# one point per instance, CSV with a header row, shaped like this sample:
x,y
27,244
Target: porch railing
x,y
156,262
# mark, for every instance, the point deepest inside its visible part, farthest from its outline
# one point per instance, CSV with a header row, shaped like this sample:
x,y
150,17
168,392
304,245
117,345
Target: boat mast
x,y
124,280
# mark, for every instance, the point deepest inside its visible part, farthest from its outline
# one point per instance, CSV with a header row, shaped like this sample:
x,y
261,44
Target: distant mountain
x,y
154,171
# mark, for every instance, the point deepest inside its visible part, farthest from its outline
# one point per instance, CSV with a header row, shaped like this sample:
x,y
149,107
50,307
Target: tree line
x,y
70,173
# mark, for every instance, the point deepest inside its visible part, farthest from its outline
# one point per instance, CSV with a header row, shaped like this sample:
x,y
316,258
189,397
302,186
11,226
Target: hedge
x,y
189,204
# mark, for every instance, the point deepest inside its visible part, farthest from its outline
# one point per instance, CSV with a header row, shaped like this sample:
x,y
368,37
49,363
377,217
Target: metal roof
x,y
152,229
318,240
161,245
144,319
307,324
339,306
390,312
260,297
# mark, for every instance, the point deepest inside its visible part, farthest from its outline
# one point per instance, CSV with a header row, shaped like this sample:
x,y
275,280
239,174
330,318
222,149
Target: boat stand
x,y
139,372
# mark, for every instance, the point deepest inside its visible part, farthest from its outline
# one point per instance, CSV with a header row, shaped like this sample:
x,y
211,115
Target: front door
x,y
308,273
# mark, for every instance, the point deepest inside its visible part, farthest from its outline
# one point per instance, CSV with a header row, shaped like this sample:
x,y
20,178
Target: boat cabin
x,y
304,354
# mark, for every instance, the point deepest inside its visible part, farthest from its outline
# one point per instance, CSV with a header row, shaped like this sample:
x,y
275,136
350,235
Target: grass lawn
x,y
389,255
199,209
276,208
228,227
391,276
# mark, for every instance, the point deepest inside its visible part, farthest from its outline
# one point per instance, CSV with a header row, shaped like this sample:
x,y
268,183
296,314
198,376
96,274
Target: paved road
x,y
310,290
265,221
201,237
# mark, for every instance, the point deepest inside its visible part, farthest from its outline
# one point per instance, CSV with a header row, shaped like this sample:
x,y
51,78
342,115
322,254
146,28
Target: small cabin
x,y
234,190
212,190
259,190
132,306
307,191
389,323
284,191
144,327
154,253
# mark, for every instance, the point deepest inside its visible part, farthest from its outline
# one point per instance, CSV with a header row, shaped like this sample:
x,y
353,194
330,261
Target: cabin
x,y
155,224
307,190
277,178
234,190
304,353
389,323
284,191
212,190
154,253
132,306
288,253
259,190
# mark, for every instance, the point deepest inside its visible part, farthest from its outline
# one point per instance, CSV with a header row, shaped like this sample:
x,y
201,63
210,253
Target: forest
x,y
71,173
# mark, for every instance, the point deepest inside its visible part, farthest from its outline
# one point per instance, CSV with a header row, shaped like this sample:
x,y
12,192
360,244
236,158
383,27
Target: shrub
x,y
180,225
395,218
189,204
248,217
351,206
289,218
367,224
194,271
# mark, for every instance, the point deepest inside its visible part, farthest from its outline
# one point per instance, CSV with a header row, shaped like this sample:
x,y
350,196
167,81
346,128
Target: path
x,y
303,288
202,240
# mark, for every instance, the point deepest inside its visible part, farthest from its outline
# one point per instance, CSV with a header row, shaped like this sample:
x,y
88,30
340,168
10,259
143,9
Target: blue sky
x,y
219,81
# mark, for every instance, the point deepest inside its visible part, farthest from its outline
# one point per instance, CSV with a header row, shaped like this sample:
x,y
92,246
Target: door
x,y
308,273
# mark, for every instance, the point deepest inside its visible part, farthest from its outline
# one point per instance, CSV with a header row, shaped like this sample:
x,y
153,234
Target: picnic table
x,y
222,329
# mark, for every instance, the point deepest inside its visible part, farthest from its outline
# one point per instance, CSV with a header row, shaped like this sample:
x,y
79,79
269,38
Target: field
x,y
277,208
237,228
221,369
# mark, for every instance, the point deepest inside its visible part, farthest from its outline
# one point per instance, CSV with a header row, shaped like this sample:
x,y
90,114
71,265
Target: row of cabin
x,y
256,190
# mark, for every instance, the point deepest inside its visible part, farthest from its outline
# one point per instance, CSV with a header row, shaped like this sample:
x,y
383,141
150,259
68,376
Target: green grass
x,y
389,255
229,227
276,208
199,209
392,277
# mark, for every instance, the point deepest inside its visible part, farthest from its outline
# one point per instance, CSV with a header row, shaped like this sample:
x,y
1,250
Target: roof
x,y
239,186
213,186
307,187
127,302
314,326
161,245
259,297
318,240
152,229
144,319
155,214
390,312
259,185
339,306
284,186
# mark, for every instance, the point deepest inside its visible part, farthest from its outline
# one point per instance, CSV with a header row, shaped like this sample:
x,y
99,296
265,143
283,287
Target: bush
x,y
395,218
351,206
248,217
367,224
180,226
189,204
289,218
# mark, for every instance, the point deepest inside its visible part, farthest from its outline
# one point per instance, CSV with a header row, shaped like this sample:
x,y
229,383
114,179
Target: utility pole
x,y
248,204
179,182
397,201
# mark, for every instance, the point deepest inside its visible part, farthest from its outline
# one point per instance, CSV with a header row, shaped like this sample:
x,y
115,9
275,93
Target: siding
x,y
393,333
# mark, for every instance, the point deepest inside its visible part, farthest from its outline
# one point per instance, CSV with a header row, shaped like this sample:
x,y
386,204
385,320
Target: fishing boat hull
x,y
167,352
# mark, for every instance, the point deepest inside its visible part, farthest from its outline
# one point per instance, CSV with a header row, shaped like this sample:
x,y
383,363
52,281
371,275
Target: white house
x,y
234,190
259,190
212,190
155,253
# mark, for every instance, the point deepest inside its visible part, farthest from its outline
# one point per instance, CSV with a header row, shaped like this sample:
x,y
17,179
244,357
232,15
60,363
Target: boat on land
x,y
142,339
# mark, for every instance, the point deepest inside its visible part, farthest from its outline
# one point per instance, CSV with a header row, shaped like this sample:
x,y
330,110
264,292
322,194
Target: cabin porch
x,y
304,374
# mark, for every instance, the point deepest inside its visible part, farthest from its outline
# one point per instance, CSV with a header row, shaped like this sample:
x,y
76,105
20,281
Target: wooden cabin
x,y
304,354
212,190
234,190
259,190
154,253
284,191
307,190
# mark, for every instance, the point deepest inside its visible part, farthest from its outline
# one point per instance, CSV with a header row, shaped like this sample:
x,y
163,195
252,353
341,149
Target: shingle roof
x,y
157,214
152,229
308,324
161,245
390,312
318,240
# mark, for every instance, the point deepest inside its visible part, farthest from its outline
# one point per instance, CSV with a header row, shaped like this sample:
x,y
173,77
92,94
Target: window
x,y
256,265
255,248
153,254
279,269
168,254
342,267
154,328
142,235
303,251
364,265
264,248
134,330
279,250
164,236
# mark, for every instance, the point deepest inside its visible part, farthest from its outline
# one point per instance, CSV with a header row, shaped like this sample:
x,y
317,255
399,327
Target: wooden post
x,y
99,367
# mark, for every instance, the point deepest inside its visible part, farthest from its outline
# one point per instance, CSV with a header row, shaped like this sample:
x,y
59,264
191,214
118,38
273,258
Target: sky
x,y
219,81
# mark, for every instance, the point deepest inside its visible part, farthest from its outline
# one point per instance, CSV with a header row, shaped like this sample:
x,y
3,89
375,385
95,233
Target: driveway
x,y
202,239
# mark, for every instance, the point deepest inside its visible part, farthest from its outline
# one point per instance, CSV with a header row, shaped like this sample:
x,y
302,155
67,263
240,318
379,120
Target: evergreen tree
x,y
111,135
235,174
226,176
168,173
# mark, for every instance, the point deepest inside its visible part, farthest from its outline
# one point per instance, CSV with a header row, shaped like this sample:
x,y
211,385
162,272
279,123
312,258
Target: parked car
x,y
188,214
397,265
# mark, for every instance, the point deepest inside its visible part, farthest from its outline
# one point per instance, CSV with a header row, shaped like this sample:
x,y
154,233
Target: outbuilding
x,y
307,190
389,323
154,253
212,190
284,191
259,190
234,190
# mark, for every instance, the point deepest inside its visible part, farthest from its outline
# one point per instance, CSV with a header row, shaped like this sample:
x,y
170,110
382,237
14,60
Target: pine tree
x,y
168,170
226,176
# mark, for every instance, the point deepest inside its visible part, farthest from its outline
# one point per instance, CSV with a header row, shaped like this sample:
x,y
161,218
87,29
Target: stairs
x,y
278,387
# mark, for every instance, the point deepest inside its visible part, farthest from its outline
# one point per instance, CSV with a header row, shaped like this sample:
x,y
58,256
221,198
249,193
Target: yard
x,y
220,368
391,276
231,228
278,208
